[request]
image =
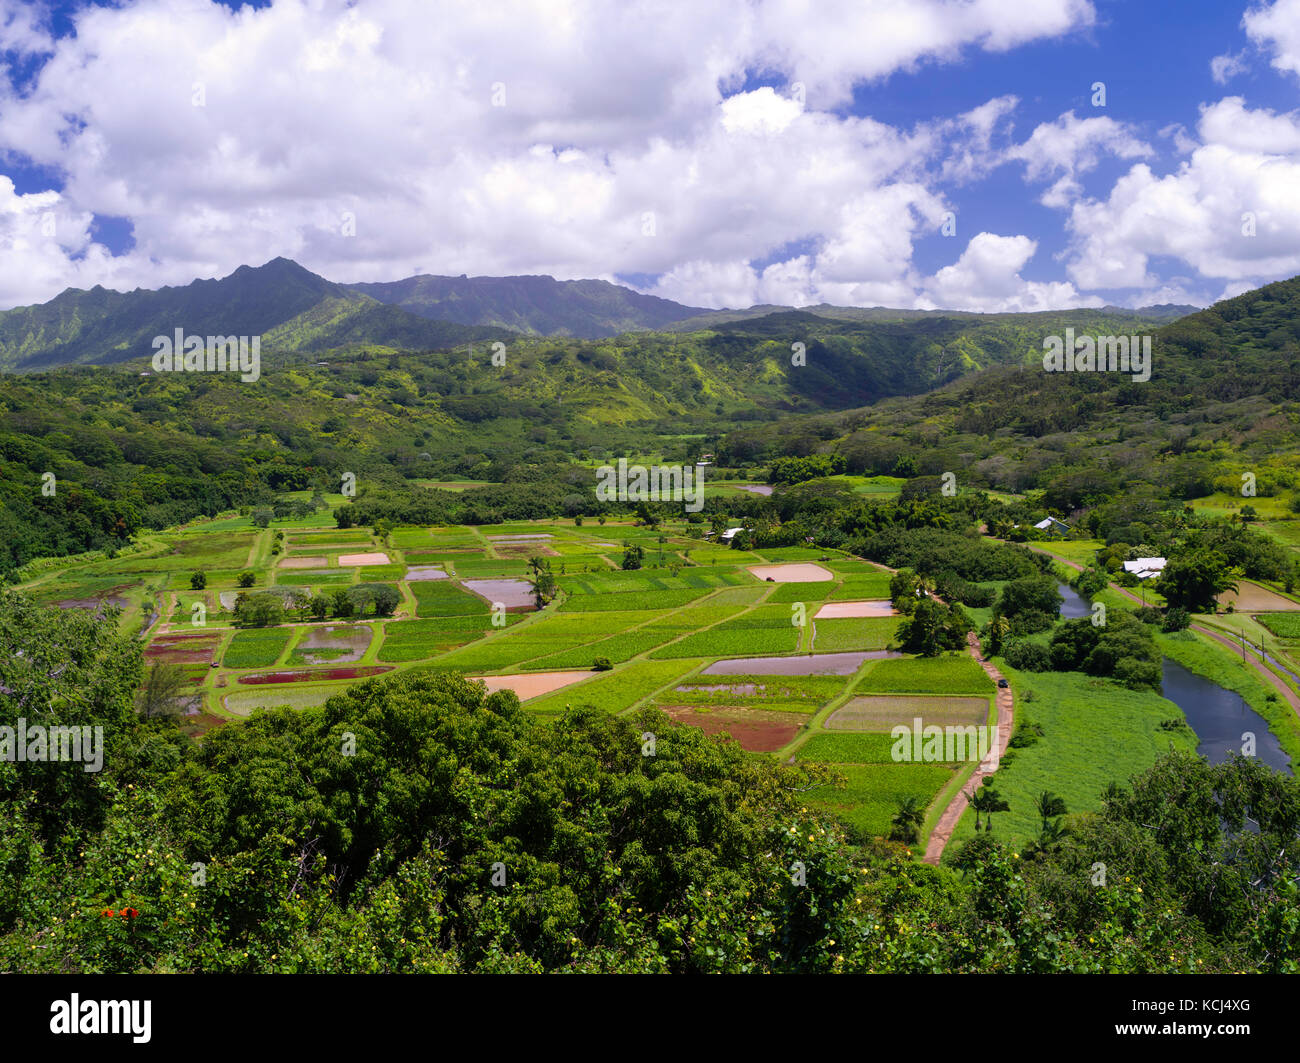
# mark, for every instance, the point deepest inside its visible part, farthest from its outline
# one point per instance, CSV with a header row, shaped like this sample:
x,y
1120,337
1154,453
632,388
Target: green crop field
x,y
293,695
953,673
442,598
492,568
881,712
417,640
802,592
757,632
872,792
618,690
861,748
854,633
861,588
1284,625
256,647
315,577
647,599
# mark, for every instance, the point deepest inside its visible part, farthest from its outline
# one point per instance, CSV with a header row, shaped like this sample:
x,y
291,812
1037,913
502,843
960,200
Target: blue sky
x,y
724,153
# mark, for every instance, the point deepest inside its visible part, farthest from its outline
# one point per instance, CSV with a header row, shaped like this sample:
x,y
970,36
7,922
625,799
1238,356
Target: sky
x,y
988,155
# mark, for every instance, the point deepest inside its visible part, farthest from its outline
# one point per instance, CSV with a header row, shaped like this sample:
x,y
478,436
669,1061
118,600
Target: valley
x,y
880,575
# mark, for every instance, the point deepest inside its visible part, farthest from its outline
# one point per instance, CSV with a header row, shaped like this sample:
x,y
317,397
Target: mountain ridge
x,y
298,311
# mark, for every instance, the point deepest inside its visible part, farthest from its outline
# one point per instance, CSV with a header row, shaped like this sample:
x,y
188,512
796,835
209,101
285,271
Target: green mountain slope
x,y
535,305
861,314
290,307
1223,395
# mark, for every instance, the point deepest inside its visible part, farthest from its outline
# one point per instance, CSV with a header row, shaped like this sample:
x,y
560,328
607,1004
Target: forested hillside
x,y
1222,399
133,449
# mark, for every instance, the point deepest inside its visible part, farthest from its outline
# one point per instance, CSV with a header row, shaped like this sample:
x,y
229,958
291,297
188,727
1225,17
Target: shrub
x,y
601,664
1027,656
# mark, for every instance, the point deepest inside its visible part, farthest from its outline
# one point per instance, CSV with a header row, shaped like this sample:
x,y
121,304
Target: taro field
x,y
788,652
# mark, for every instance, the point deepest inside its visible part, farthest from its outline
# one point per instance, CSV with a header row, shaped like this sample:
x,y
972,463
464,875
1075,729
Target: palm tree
x,y
987,800
907,821
1052,836
1049,806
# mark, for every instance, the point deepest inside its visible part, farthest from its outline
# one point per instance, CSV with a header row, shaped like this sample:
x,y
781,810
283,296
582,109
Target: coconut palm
x,y
906,824
987,800
1049,806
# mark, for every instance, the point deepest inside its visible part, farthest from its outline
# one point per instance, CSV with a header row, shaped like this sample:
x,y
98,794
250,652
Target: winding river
x,y
1218,716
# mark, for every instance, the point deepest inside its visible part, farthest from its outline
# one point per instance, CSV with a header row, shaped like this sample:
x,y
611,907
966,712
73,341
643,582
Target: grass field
x,y
1094,732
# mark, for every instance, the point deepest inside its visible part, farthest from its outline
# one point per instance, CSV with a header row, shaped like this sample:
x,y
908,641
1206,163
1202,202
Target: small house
x,y
1145,567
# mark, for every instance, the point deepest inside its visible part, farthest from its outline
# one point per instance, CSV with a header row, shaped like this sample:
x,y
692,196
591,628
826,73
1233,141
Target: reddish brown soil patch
x,y
757,730
91,603
312,676
525,550
182,649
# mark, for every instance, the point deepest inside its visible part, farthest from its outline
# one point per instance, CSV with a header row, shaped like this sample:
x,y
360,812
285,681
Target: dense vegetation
x,y
417,824
1221,402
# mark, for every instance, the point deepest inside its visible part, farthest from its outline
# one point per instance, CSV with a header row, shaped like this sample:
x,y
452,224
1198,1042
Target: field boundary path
x,y
948,820
1261,669
942,833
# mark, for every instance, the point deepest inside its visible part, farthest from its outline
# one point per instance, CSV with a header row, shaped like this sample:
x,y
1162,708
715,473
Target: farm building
x,y
1051,524
1145,567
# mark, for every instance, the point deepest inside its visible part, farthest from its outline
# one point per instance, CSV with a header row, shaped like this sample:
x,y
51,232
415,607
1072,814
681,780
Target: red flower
x,y
129,913
107,911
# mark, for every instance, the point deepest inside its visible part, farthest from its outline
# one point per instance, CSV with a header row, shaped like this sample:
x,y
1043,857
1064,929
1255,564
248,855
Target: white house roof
x,y
1145,567
1044,524
731,533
